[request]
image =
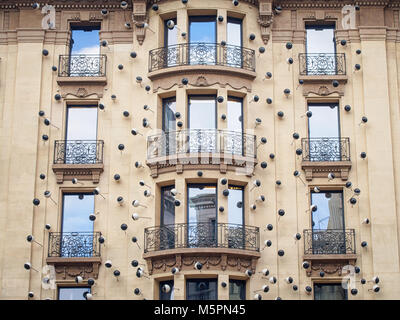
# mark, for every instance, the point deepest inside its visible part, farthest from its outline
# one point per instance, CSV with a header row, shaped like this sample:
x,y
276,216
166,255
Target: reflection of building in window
x,y
201,289
329,291
335,204
205,205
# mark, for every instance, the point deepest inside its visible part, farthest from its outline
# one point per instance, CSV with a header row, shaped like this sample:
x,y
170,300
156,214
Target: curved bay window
x,y
202,39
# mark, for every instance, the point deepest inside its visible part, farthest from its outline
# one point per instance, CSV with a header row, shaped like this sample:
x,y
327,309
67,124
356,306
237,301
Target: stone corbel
x,y
139,19
265,19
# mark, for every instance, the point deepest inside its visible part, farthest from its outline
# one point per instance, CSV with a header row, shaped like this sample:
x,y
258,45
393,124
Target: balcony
x,y
324,155
83,69
216,246
329,250
74,253
215,63
201,149
319,70
81,159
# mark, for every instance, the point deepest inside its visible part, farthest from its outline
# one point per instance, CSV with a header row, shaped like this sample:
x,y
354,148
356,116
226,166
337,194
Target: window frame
x,y
198,280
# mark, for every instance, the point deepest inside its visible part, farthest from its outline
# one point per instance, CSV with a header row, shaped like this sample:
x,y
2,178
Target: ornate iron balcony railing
x,y
201,140
78,151
83,65
330,241
202,54
326,149
74,244
201,235
322,63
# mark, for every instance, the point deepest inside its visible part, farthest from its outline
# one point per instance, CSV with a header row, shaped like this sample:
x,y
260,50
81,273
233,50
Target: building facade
x,y
172,149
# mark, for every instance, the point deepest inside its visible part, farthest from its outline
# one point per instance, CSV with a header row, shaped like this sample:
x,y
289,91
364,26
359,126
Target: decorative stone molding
x,y
265,19
139,17
211,258
321,85
72,88
202,76
85,172
332,265
322,169
69,268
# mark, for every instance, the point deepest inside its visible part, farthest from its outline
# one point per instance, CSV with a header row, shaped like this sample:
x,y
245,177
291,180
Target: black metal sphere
x,y
289,45
335,83
220,99
220,18
225,192
263,164
124,226
120,66
42,176
364,244
45,137
223,284
155,7
261,49
147,88
121,147
221,209
281,253
280,114
252,36
269,100
54,68
343,42
278,182
299,152
353,200
269,243
296,136
117,273
357,66
281,212
57,97
179,124
45,52
354,291
363,155
200,173
347,108
185,81
271,155
270,227
133,54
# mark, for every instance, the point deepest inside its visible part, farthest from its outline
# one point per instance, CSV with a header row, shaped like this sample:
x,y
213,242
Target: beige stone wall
x,y
27,85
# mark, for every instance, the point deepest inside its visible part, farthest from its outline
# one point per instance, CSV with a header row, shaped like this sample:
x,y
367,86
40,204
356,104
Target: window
x,y
169,125
170,44
236,231
72,293
237,289
234,138
201,289
234,41
77,228
329,291
202,40
202,123
202,215
321,49
81,135
162,292
328,227
324,132
85,51
167,219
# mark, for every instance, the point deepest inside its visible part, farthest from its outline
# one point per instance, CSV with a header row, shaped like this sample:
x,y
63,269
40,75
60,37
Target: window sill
x,y
81,80
331,264
69,268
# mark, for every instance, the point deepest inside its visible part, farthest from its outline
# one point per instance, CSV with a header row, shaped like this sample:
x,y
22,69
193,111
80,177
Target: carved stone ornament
x,y
211,259
69,268
332,265
139,18
71,92
265,19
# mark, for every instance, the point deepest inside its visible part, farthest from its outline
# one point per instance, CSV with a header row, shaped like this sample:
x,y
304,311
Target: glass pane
x,y
202,38
169,126
328,235
167,234
235,231
170,43
320,39
167,295
201,289
72,293
321,49
202,124
329,292
234,41
237,290
81,123
324,133
233,142
85,42
202,215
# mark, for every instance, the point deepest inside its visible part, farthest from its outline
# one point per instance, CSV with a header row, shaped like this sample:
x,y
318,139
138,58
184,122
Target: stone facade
x,y
28,85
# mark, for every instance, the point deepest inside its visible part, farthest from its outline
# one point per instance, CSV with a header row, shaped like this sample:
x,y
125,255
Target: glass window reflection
x,y
72,293
234,140
170,41
81,123
329,213
202,39
237,289
234,41
202,215
201,289
167,219
169,125
320,39
329,291
164,295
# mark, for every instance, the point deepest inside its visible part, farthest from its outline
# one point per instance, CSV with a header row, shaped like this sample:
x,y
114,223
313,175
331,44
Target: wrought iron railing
x,y
74,244
82,65
329,241
202,54
322,63
201,235
201,140
78,151
326,149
